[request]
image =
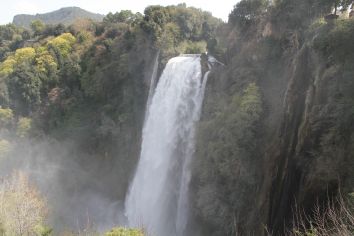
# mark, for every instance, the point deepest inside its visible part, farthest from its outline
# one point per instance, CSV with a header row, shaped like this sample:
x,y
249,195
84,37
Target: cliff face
x,y
300,154
313,158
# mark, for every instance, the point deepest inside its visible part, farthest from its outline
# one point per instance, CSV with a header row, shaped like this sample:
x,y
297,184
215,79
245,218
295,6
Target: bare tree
x,y
22,208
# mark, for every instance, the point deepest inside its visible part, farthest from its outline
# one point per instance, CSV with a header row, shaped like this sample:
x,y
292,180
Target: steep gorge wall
x,y
301,151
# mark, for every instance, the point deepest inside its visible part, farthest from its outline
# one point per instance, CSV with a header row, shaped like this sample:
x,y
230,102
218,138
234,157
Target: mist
x,y
73,183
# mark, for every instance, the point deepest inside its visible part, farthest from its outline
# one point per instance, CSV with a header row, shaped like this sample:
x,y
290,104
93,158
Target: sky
x,y
13,7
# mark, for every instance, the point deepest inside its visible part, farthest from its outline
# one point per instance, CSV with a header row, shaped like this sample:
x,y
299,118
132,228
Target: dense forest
x,y
274,146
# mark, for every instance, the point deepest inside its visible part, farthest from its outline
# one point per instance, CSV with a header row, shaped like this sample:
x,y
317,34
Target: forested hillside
x,y
274,146
76,97
275,140
66,16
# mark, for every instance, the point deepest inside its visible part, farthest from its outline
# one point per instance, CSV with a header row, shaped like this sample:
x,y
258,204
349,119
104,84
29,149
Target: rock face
x,y
302,151
65,16
313,158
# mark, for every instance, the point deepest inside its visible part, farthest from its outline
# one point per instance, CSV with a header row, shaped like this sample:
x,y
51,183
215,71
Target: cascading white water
x,y
153,80
158,196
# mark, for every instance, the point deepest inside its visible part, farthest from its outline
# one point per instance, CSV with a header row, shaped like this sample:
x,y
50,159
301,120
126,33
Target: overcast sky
x,y
9,8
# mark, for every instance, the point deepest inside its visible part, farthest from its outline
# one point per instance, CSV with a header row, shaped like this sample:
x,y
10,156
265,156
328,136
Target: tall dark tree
x,y
247,11
24,87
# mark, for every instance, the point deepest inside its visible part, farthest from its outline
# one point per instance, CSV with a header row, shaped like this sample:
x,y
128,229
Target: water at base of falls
x,y
158,197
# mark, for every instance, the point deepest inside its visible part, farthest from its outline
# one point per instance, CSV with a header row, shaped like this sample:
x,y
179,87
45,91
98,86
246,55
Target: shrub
x,y
22,55
23,126
6,116
337,43
124,232
37,27
336,219
190,47
5,148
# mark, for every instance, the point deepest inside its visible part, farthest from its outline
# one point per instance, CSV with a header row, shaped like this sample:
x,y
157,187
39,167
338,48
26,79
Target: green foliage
x,y
246,12
63,43
124,232
5,148
170,38
24,87
251,103
24,125
37,27
190,47
116,30
155,18
124,16
299,14
43,230
53,30
84,37
6,116
4,96
173,27
225,148
318,23
7,66
45,62
8,31
194,23
157,14
22,55
336,43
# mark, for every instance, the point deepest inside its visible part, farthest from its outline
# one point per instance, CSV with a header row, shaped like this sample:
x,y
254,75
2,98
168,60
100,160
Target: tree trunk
x,y
335,7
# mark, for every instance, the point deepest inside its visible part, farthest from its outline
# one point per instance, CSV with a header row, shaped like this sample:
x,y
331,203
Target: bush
x,y
124,232
6,116
5,148
190,47
23,126
337,42
22,55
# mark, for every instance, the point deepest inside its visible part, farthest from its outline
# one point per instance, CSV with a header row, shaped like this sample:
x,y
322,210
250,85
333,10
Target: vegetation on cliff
x,y
250,176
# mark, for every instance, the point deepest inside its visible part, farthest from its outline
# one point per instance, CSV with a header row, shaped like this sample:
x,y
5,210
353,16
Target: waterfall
x,y
153,80
158,197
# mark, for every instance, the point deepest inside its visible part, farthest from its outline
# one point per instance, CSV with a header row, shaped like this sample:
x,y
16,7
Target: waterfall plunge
x,y
158,196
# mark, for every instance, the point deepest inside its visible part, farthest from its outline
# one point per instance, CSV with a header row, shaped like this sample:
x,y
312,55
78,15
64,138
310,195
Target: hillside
x,y
66,15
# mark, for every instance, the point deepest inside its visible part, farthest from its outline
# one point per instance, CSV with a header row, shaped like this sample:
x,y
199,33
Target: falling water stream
x,y
158,195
